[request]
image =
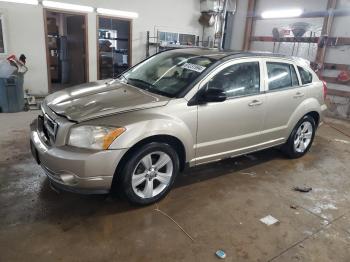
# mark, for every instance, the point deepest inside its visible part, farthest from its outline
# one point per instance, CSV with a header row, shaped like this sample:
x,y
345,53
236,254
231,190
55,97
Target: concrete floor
x,y
218,205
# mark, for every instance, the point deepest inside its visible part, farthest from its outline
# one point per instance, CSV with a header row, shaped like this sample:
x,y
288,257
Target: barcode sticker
x,y
194,67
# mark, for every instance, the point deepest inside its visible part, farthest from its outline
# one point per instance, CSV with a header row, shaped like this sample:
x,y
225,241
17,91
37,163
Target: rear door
x,y
231,127
284,95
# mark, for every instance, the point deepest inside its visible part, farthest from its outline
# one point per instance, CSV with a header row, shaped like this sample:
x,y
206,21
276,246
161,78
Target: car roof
x,y
227,54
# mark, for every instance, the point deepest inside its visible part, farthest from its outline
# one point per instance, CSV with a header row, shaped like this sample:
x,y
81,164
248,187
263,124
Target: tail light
x,y
324,89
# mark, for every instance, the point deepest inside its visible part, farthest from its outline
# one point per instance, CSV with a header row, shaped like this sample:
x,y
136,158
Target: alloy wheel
x,y
152,174
303,137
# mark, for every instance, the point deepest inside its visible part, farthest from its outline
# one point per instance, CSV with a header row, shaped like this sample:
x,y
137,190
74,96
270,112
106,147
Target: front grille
x,y
50,128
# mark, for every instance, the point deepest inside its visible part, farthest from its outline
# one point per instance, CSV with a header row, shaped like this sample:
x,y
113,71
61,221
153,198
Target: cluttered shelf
x,y
329,41
114,39
169,40
165,45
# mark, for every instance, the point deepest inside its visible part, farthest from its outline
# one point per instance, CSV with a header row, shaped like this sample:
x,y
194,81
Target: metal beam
x,y
249,25
326,29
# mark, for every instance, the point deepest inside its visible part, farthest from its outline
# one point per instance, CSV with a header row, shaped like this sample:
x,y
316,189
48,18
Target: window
x,y
281,76
174,38
2,40
238,80
306,76
113,46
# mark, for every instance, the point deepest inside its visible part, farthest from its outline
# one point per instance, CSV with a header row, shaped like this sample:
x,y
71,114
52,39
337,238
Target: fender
x,y
150,122
308,105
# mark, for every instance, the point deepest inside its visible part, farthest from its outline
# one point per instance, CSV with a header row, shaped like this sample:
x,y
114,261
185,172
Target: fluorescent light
x,y
117,13
282,13
59,5
28,2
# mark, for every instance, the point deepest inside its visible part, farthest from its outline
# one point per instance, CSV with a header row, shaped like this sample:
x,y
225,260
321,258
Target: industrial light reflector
x,y
117,13
28,2
282,13
59,5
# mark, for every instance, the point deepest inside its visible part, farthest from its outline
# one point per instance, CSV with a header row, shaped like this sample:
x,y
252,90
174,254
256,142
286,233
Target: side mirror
x,y
213,95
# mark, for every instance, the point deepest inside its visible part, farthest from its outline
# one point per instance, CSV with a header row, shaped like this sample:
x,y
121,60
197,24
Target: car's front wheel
x,y
301,138
149,173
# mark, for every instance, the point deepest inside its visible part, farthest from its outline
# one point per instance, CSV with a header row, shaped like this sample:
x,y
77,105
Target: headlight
x,y
94,137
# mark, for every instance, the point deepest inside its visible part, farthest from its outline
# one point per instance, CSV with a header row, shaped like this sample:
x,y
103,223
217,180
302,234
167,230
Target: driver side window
x,y
238,80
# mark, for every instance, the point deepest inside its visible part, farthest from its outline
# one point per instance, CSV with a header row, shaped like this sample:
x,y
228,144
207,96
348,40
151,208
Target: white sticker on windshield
x,y
194,67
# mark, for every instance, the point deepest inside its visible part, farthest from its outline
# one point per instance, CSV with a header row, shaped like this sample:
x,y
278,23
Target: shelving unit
x,y
329,41
113,46
114,39
53,47
323,42
163,45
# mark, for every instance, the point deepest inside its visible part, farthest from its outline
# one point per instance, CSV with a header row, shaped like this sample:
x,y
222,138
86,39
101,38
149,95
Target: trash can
x,y
11,94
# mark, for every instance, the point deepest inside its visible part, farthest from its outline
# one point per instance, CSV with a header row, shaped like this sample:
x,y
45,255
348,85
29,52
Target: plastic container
x,y
11,94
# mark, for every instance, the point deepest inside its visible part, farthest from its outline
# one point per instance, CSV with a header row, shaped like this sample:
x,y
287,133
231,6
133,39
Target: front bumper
x,y
73,169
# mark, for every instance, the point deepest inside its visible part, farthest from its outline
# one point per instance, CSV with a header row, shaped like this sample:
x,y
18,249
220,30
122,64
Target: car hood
x,y
100,98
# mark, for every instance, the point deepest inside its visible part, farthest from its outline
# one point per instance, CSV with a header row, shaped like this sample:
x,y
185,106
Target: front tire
x,y
149,173
301,138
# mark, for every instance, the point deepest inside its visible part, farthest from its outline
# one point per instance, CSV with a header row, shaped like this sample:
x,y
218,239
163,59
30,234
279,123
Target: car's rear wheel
x,y
149,173
301,138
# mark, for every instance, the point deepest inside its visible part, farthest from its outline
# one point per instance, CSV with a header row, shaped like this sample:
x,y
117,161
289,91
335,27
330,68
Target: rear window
x,y
281,75
306,76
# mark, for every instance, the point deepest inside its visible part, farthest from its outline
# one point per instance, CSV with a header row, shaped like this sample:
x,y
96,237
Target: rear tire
x,y
301,138
149,174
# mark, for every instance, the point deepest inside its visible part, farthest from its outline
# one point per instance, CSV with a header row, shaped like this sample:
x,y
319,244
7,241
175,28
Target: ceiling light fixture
x,y
27,2
118,13
282,13
72,7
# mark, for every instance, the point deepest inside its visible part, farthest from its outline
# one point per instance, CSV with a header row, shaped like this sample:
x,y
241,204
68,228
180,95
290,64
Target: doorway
x,y
66,44
114,46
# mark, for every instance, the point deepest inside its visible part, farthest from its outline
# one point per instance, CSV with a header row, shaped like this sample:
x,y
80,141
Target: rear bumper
x,y
74,169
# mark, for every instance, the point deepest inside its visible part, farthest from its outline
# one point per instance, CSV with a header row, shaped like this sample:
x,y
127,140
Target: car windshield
x,y
167,73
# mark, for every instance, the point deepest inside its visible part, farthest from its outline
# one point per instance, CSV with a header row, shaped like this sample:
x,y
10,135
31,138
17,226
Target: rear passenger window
x,y
238,80
281,75
306,76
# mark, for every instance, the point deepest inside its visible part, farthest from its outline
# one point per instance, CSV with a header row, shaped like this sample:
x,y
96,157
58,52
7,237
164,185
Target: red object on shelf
x,y
344,76
11,58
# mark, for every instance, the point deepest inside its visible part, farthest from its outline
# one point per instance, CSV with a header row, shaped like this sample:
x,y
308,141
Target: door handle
x,y
255,103
298,94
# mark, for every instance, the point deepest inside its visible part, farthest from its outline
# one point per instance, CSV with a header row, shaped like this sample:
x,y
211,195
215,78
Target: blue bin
x,y
11,94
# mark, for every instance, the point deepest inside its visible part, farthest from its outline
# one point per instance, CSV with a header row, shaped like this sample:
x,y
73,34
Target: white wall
x,y
239,21
25,34
25,31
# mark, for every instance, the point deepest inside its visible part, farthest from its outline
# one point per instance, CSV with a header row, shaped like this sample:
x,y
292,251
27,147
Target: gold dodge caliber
x,y
177,108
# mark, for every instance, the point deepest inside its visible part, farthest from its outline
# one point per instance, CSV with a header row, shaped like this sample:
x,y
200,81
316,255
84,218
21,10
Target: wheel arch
x,y
316,116
168,139
310,107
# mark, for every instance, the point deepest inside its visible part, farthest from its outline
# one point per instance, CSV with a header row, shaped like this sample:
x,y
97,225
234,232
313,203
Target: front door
x,y
232,127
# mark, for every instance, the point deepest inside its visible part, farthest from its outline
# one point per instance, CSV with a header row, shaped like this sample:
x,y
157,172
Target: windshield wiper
x,y
119,76
122,75
148,87
142,82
